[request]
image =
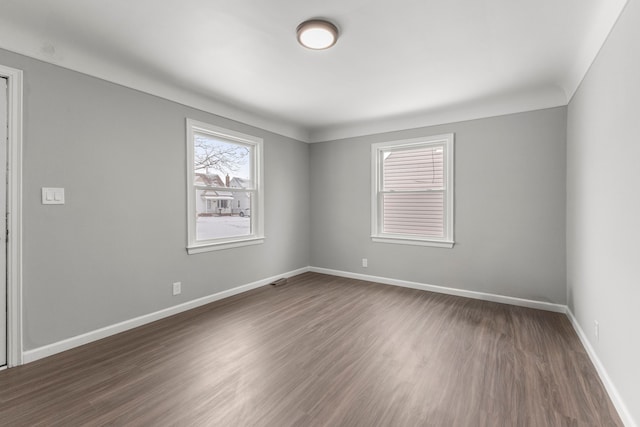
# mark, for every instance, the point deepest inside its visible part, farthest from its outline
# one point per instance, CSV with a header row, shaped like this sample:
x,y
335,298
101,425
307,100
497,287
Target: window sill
x,y
208,247
414,242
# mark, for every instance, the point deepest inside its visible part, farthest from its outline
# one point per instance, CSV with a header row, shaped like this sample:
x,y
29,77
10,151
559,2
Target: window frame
x,y
257,207
377,150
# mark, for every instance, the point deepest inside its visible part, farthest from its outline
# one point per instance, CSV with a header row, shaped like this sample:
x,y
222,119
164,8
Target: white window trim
x,y
257,207
376,184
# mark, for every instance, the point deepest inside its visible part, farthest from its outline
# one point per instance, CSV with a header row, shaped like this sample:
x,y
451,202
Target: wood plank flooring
x,y
321,351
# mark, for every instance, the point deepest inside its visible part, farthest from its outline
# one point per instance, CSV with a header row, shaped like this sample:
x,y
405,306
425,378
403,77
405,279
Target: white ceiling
x,y
398,64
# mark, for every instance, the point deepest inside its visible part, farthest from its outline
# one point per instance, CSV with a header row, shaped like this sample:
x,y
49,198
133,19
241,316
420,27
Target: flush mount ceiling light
x,y
317,34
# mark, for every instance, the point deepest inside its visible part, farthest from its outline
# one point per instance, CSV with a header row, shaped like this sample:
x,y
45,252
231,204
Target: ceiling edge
x,y
598,36
535,99
108,71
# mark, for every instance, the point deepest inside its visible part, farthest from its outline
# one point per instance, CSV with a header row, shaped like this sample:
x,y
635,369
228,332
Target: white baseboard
x,y
541,305
69,343
624,413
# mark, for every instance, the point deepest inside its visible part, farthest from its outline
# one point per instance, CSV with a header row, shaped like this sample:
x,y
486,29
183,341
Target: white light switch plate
x,y
52,196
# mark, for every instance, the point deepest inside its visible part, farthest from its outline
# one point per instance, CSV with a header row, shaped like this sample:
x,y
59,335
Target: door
x,y
3,220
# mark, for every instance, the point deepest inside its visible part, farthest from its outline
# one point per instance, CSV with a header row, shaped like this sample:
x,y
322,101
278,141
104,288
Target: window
x,y
224,194
412,191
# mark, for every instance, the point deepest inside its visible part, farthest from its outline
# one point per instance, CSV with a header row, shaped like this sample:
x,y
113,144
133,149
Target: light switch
x,y
52,196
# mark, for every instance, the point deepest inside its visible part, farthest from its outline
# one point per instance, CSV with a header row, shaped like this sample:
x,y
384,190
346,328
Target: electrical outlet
x,y
596,329
177,288
365,262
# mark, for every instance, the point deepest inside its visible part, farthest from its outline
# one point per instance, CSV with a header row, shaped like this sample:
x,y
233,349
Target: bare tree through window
x,y
222,157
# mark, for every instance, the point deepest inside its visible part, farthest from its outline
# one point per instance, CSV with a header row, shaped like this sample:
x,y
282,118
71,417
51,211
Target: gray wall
x,y
603,205
509,215
112,251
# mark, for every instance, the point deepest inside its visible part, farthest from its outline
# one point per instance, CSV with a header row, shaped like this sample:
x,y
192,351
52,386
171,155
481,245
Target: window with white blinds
x,y
412,191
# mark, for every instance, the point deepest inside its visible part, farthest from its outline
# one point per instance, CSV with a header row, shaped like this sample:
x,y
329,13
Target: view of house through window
x,y
221,167
225,185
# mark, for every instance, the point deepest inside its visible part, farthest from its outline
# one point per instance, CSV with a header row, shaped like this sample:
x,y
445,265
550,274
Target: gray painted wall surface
x,y
112,251
603,205
509,215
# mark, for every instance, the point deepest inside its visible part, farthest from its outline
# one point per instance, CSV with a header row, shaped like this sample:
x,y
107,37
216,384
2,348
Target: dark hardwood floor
x,y
321,351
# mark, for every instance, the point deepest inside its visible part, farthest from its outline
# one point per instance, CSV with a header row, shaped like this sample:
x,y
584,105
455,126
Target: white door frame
x,y
14,215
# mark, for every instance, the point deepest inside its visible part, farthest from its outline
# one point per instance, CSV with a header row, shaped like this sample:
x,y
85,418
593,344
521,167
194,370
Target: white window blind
x,y
413,191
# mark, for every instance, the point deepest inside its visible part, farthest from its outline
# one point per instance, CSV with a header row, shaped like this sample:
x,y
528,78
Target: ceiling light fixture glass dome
x,y
317,34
